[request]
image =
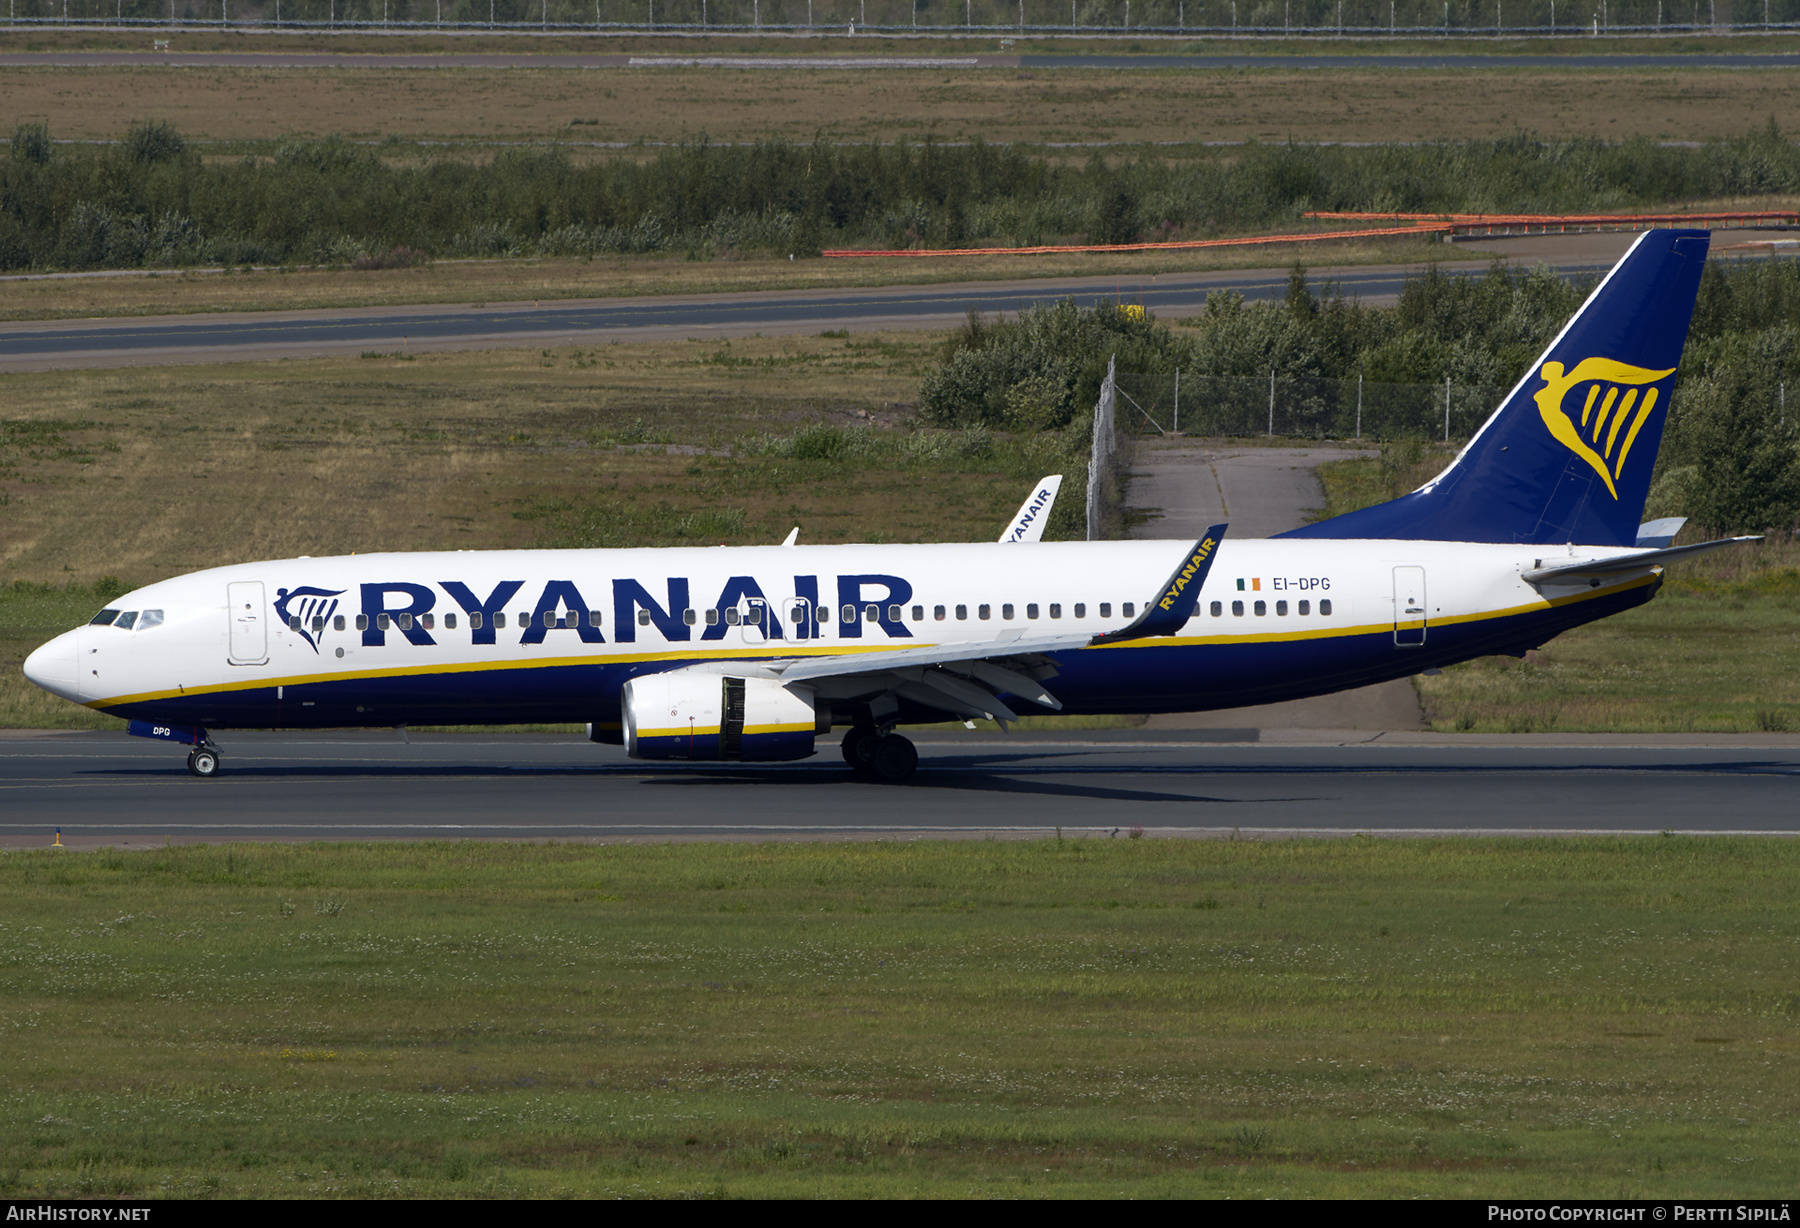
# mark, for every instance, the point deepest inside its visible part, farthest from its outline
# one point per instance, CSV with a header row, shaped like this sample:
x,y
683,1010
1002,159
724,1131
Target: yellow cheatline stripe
x,y
712,730
1270,637
476,667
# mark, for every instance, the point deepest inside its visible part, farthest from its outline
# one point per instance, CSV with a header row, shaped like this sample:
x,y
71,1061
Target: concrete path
x,y
1259,491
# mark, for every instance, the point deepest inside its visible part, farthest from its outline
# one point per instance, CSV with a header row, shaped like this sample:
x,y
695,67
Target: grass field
x,y
593,107
1042,1019
156,293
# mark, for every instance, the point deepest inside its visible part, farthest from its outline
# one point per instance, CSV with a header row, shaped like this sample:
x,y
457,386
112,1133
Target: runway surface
x,y
316,60
224,337
106,788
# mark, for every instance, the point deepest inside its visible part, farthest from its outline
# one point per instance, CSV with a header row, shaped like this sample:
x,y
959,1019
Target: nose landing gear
x,y
203,760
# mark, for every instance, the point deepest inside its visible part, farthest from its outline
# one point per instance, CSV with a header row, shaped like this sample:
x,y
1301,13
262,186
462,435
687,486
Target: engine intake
x,y
687,714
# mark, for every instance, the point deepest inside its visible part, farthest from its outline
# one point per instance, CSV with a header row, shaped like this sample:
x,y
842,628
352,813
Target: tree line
x,y
151,199
1730,457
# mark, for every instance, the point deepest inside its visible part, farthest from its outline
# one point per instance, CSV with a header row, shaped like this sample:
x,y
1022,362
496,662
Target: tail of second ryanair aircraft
x,y
1568,455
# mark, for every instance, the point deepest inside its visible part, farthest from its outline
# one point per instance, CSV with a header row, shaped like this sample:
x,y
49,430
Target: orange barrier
x,y
1420,223
1250,241
1466,223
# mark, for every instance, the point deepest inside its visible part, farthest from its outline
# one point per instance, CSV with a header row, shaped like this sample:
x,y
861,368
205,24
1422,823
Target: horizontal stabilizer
x,y
1655,534
1576,570
1174,604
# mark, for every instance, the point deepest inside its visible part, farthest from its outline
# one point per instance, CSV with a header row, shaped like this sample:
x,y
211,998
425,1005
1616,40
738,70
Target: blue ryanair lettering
x,y
736,589
895,592
629,596
561,595
374,605
496,601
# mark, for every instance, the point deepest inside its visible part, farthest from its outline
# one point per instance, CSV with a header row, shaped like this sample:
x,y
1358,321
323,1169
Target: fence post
x,y
1359,380
1271,402
1446,409
1100,452
1177,428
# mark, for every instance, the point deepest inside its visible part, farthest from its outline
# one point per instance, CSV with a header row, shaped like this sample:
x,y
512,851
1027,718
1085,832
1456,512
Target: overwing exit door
x,y
800,617
759,625
248,621
1409,607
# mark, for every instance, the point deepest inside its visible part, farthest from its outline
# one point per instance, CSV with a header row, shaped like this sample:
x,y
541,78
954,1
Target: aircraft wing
x,y
964,679
1575,570
936,654
968,678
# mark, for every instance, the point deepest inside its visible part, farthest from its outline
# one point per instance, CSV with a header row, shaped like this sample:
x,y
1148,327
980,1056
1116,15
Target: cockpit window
x,y
149,619
126,620
103,618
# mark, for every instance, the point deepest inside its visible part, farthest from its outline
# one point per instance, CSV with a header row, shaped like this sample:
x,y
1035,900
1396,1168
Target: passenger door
x,y
249,622
1409,607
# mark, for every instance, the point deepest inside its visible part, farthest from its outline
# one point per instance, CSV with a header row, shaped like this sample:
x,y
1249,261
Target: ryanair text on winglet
x,y
1187,573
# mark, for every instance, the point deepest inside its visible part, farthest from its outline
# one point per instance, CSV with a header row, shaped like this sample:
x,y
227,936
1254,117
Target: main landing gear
x,y
203,761
887,757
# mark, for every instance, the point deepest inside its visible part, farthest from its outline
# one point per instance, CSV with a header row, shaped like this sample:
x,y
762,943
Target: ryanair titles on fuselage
x,y
400,607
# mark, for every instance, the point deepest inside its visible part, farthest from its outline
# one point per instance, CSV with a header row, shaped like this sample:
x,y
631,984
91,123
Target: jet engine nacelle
x,y
690,714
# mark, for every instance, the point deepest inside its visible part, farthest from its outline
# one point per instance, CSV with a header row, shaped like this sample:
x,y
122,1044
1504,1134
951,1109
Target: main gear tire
x,y
859,748
894,759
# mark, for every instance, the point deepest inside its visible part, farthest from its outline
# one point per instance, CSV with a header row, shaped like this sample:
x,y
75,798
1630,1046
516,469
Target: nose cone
x,y
54,666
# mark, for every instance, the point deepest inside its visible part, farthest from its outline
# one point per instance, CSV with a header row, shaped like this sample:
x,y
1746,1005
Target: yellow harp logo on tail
x,y
1611,414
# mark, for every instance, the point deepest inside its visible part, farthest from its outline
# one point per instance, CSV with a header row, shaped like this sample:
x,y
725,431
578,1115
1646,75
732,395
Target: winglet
x,y
792,537
1174,605
1033,514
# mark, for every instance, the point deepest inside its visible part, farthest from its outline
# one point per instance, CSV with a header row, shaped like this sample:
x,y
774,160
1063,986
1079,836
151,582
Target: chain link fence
x,y
1305,407
1038,18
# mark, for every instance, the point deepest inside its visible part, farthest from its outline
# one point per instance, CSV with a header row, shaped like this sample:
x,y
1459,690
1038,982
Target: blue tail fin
x,y
1567,456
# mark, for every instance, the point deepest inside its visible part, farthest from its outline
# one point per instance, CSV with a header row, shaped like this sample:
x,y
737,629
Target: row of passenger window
x,y
429,621
730,616
733,617
1261,608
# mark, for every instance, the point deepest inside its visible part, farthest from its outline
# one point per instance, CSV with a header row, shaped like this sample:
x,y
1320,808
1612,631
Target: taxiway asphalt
x,y
226,337
106,788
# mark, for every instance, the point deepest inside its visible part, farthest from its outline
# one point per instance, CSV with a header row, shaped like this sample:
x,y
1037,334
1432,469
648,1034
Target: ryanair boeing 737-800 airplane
x,y
752,653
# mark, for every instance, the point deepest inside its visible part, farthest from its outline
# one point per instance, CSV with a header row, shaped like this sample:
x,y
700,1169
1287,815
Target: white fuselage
x,y
552,635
